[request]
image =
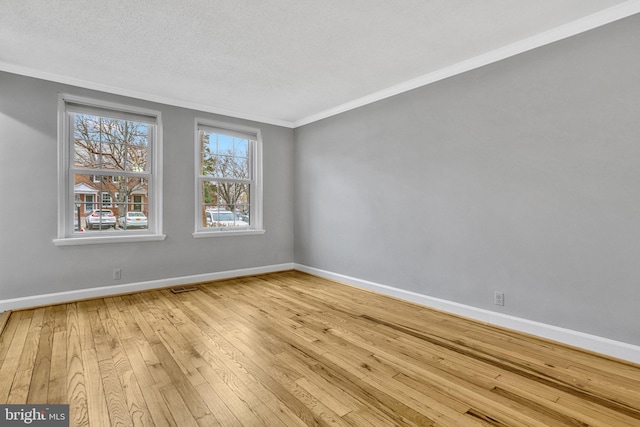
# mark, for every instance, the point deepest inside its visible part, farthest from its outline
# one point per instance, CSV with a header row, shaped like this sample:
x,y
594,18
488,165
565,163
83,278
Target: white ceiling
x,y
286,62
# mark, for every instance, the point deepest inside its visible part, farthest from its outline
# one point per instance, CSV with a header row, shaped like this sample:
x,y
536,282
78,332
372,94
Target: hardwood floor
x,y
289,349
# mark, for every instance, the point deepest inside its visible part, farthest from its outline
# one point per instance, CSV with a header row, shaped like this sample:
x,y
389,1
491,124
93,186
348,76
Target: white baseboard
x,y
594,343
60,297
570,337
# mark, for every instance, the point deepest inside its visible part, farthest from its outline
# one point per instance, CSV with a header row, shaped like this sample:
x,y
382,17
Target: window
x,y
106,200
228,180
137,203
112,151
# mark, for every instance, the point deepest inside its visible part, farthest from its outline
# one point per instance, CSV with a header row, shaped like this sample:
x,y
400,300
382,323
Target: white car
x,y
133,220
226,219
100,218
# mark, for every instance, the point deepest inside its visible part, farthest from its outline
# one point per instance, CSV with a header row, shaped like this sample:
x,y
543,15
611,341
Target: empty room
x,y
297,213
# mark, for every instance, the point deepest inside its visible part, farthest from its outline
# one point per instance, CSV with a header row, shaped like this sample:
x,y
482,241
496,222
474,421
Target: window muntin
x,y
110,160
228,179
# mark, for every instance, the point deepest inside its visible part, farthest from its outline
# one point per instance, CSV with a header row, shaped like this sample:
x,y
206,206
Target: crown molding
x,y
39,74
573,28
587,23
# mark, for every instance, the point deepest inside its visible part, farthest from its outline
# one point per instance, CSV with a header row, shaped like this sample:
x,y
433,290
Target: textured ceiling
x,y
287,62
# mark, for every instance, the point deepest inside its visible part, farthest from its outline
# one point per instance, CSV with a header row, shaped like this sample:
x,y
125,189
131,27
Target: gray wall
x,y
30,264
522,176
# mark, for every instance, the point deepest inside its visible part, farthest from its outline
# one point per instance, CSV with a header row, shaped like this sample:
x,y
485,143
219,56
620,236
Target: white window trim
x,y
256,201
66,233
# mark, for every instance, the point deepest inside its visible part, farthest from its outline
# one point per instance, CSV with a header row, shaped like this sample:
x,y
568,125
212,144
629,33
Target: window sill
x,y
206,234
98,240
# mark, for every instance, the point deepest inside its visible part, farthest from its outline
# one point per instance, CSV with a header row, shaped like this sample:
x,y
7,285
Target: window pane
x,y
208,150
117,194
224,166
225,144
133,197
110,144
224,205
240,168
112,156
137,158
226,195
86,156
130,187
209,195
224,156
243,207
86,193
102,219
87,141
241,147
133,215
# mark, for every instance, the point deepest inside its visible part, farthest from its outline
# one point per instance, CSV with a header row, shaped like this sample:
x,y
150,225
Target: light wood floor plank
x,y
21,384
57,390
158,408
4,319
179,410
290,349
42,363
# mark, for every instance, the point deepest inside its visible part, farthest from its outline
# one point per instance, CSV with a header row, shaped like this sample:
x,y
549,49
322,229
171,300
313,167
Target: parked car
x,y
242,216
133,220
220,218
100,218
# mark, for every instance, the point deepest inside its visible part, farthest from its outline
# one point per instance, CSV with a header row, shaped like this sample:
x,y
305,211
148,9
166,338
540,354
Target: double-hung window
x,y
109,165
228,180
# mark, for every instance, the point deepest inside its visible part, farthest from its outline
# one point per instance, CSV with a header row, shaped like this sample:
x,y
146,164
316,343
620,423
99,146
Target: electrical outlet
x,y
117,274
498,298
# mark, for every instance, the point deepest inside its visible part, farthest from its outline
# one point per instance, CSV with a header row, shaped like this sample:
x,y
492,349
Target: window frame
x,y
66,198
107,202
254,157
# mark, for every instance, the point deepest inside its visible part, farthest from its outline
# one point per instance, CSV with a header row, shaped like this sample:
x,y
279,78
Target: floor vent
x,y
181,289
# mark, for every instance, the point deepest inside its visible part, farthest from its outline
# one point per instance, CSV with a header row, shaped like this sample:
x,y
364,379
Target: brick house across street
x,y
117,194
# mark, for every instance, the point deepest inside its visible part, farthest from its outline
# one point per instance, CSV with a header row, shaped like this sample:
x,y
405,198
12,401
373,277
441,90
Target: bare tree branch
x,y
112,145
